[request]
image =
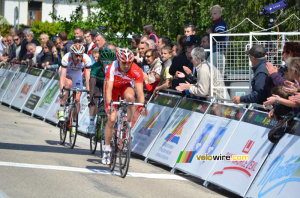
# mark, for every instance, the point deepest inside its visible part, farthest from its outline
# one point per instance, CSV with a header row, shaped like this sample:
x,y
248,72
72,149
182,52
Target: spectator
x,y
2,46
47,59
17,42
30,37
166,78
12,31
90,45
66,43
13,45
182,60
293,66
257,56
79,40
78,32
202,87
100,40
150,44
144,39
55,56
175,49
152,77
5,46
143,47
149,31
163,41
93,34
23,50
60,48
189,29
220,26
44,37
135,41
34,50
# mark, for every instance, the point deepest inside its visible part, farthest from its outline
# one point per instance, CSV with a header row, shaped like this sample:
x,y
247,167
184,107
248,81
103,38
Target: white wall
x,y
63,8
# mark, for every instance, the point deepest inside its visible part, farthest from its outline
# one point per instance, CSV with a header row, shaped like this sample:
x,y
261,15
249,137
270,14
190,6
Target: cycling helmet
x,y
77,49
125,55
107,54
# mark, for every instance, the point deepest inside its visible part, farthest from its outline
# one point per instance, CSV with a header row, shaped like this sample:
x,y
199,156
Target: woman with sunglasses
x,y
103,59
71,74
120,76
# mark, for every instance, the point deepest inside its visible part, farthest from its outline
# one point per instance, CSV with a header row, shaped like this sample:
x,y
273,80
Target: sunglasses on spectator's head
x,y
77,55
147,56
107,62
188,25
126,63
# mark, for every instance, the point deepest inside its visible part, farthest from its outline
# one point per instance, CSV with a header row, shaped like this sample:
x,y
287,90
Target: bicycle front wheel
x,y
113,153
74,126
124,150
63,132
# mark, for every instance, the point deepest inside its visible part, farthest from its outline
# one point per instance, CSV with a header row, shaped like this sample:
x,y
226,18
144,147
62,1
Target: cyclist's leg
x,y
77,82
129,95
61,112
94,90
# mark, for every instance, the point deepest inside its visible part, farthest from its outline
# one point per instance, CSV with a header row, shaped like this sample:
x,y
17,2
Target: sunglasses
x,y
4,40
16,39
147,56
77,55
126,63
57,43
107,62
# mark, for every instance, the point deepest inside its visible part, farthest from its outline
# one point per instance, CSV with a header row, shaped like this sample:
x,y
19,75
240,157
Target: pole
x,y
19,14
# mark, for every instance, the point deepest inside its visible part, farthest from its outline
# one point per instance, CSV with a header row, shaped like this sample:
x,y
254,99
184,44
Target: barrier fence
x,y
184,134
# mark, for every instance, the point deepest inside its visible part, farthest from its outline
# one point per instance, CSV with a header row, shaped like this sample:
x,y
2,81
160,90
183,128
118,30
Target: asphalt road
x,y
34,164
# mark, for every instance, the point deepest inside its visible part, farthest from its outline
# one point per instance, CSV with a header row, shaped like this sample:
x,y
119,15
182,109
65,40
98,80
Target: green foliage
x,y
169,16
4,26
39,27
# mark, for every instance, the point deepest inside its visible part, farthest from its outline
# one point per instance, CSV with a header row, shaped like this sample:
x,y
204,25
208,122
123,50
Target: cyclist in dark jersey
x,y
97,78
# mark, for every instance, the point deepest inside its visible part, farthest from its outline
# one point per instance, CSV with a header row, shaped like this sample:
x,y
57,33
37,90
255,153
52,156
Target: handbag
x,y
285,126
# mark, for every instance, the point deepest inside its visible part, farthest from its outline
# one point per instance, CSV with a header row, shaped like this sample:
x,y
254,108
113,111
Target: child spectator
x,y
220,26
166,77
150,32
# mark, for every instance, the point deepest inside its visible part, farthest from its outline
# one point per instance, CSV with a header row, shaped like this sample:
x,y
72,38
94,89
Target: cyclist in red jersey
x,y
121,76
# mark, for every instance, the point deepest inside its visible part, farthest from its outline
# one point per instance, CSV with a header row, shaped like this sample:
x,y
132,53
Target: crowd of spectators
x,y
183,65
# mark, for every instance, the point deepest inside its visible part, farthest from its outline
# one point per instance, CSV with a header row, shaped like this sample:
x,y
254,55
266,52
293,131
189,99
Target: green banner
x,y
165,100
259,118
35,71
48,74
193,105
49,96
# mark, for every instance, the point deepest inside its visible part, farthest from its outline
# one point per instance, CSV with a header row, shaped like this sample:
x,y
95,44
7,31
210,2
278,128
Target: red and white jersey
x,y
135,74
67,62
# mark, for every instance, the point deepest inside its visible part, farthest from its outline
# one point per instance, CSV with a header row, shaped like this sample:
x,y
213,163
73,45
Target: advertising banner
x,y
14,86
249,139
47,100
38,91
8,79
209,139
3,72
280,174
26,88
147,128
178,131
84,116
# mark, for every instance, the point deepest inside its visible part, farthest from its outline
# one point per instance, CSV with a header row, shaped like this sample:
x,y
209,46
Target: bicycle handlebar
x,y
124,103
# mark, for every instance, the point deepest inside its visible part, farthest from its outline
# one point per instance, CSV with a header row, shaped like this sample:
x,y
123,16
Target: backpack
x,y
156,39
285,126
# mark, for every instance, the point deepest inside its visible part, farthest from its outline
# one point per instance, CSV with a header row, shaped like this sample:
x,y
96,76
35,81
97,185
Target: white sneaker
x,y
61,115
106,156
91,129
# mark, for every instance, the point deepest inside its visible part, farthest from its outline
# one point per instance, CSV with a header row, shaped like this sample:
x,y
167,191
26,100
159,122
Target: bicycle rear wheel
x,y
124,150
113,153
73,126
63,132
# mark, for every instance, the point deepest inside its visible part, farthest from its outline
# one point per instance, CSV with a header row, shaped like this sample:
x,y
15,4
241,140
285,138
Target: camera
x,y
266,11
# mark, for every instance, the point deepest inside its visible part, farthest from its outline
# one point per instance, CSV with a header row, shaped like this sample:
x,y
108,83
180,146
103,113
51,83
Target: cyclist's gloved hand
x,y
91,103
143,111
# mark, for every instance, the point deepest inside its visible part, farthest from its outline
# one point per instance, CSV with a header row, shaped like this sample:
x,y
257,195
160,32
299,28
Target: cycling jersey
x,y
75,71
135,74
98,73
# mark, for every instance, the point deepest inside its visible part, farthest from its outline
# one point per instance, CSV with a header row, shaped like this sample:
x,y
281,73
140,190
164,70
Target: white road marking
x,y
3,195
87,170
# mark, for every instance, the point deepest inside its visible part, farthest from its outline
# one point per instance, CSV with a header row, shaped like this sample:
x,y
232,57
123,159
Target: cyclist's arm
x,y
140,92
108,92
62,80
87,77
92,85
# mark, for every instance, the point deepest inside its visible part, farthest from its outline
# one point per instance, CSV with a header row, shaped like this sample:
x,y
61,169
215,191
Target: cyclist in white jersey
x,y
71,74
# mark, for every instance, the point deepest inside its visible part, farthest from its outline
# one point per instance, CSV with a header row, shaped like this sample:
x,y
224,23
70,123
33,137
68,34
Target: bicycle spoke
x,y
63,132
74,126
124,151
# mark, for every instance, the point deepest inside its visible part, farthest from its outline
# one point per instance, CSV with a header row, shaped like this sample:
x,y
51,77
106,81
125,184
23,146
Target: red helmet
x,y
125,55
